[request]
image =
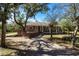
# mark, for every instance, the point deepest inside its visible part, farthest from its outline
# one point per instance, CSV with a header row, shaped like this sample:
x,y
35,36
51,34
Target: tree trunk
x,y
51,33
3,33
4,17
74,36
24,32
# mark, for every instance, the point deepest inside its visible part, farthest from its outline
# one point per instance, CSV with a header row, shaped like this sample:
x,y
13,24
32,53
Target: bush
x,y
66,25
10,28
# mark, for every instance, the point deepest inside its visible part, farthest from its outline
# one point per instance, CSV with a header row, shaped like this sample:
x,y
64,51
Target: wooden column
x,y
42,28
49,29
56,29
36,28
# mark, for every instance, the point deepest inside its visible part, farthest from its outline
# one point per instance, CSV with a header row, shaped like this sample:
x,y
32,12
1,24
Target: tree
x,y
66,25
5,10
0,28
73,13
54,15
30,11
3,19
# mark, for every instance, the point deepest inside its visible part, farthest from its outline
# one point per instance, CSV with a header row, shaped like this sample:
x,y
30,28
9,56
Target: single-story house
x,y
39,27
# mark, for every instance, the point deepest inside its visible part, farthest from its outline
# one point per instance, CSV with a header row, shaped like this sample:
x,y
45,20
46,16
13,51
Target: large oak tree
x,y
30,10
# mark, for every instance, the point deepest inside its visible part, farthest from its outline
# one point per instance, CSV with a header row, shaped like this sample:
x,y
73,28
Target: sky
x,y
41,17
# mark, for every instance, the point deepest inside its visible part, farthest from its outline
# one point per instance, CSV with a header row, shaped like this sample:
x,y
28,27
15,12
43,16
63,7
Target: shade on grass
x,y
6,52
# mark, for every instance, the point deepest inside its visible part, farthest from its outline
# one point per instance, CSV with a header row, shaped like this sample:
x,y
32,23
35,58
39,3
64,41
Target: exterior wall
x,y
38,29
35,30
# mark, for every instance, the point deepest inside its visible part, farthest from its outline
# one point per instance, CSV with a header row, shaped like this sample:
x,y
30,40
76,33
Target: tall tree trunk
x,y
4,17
23,26
20,24
74,36
51,32
3,33
24,32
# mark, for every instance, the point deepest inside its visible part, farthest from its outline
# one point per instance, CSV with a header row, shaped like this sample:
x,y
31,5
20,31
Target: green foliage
x,y
13,27
10,28
30,10
20,18
34,8
18,27
66,24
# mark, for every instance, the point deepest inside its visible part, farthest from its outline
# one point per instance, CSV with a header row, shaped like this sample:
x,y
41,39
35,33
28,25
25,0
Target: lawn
x,y
60,36
45,36
6,52
56,36
11,34
72,32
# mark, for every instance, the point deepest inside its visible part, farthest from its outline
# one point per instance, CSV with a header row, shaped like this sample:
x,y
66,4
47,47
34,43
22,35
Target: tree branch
x,y
16,20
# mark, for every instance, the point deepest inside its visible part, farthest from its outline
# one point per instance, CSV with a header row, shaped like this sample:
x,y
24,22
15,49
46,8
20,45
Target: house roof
x,y
38,23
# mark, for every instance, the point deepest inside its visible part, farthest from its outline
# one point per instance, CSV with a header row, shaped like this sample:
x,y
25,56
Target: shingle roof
x,y
38,23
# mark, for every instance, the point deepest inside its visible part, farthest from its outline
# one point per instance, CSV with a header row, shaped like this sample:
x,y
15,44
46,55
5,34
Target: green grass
x,y
72,32
56,36
11,34
6,52
60,36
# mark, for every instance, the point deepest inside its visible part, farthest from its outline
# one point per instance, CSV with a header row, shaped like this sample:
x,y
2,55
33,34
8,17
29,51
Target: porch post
x,y
49,30
42,28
